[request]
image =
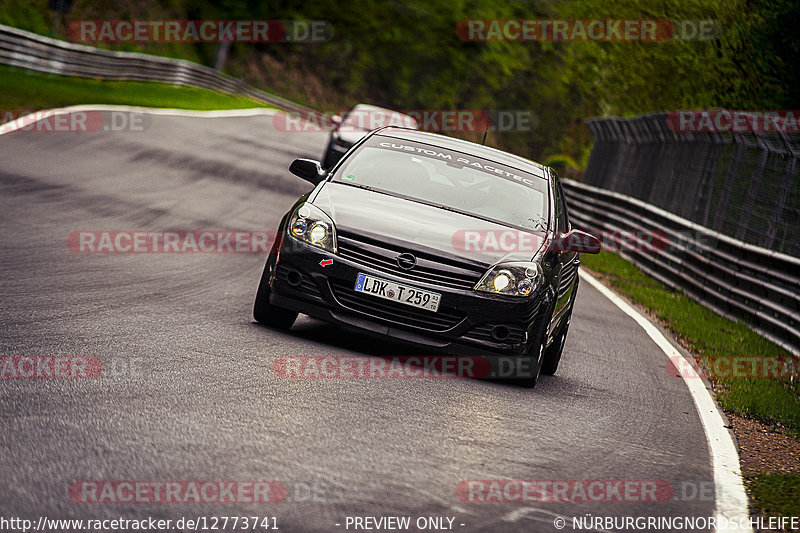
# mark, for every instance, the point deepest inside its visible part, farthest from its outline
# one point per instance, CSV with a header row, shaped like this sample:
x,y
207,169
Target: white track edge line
x,y
35,116
730,497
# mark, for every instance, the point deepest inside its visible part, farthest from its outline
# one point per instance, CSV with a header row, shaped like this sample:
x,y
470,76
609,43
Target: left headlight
x,y
311,225
511,279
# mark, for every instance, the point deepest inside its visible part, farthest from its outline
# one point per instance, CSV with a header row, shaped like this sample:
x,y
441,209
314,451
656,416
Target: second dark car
x,y
355,124
431,240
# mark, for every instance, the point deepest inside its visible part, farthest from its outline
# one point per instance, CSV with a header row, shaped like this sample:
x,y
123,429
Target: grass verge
x,y
708,335
775,494
20,89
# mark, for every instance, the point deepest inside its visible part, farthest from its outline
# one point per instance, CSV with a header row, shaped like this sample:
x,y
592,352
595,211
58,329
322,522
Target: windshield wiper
x,y
460,212
357,185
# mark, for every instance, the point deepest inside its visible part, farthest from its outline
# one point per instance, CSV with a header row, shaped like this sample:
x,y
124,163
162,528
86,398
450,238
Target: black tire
x,y
266,313
534,357
552,355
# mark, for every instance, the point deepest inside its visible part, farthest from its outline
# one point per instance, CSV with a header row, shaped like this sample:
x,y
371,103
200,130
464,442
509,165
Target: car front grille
x,y
441,320
445,272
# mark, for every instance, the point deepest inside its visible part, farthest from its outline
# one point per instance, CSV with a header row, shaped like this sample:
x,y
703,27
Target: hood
x,y
421,226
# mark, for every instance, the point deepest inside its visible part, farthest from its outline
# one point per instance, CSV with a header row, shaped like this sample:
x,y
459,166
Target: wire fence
x,y
744,185
727,202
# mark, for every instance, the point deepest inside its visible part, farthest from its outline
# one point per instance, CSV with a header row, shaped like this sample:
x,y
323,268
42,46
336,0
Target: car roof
x,y
370,107
468,147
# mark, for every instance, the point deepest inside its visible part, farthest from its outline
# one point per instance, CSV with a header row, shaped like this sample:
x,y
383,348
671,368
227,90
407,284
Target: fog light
x,y
299,227
500,333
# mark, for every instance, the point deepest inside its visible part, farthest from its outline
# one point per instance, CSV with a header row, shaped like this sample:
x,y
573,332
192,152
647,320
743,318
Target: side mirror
x,y
576,241
308,169
336,120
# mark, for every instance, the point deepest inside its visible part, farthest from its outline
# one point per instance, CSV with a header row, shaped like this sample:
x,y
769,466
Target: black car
x,y
355,124
435,241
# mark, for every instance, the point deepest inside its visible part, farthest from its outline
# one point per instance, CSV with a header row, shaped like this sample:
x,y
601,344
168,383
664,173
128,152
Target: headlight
x,y
311,225
512,279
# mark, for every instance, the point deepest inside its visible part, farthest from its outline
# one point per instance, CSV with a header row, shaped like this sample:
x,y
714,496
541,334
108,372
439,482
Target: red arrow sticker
x,y
326,262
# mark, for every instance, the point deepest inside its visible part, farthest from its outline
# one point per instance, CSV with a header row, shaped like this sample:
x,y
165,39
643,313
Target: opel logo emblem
x,y
406,261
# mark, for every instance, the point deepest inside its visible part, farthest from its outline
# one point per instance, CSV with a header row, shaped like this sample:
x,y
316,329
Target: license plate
x,y
397,292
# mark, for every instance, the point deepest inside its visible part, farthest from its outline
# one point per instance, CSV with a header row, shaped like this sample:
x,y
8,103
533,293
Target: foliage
x,y
407,55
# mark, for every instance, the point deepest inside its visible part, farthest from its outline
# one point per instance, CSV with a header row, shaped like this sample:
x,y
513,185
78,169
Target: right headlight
x,y
511,279
311,225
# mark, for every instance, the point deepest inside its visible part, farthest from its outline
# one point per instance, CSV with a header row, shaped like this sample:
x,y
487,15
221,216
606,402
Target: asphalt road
x,y
189,392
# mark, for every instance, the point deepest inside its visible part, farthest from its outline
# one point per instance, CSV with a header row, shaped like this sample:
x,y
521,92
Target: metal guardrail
x,y
19,48
744,184
740,281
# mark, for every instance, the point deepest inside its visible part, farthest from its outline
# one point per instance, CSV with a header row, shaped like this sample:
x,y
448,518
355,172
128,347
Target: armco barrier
x,y
744,184
738,280
30,51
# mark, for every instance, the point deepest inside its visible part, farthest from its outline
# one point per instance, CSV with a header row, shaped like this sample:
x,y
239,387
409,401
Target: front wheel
x,y
530,366
263,311
552,355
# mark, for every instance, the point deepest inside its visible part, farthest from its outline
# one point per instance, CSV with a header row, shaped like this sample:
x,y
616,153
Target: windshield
x,y
449,179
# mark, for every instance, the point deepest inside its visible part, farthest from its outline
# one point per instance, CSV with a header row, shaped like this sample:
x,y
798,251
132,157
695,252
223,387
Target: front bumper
x,y
467,321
